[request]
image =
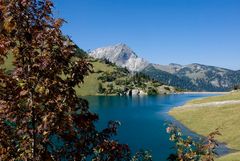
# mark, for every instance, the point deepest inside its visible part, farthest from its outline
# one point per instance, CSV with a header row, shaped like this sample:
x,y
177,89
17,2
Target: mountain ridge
x,y
194,76
121,55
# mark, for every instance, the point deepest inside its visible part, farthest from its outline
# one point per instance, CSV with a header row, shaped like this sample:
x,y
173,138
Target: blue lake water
x,y
142,119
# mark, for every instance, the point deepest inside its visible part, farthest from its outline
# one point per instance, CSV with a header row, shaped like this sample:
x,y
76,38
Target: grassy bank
x,y
91,82
204,120
226,97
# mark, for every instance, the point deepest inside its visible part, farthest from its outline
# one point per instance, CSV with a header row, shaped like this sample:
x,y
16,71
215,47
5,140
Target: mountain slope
x,y
204,77
109,79
168,78
195,77
121,55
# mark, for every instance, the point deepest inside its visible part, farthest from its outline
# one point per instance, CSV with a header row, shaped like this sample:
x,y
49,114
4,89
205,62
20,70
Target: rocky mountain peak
x,y
121,55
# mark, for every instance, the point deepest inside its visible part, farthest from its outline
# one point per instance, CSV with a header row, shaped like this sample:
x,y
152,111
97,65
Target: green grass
x,y
230,157
8,62
90,85
230,96
91,82
204,120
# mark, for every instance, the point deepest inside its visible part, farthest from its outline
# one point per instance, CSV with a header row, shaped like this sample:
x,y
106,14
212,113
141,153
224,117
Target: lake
x,y
142,119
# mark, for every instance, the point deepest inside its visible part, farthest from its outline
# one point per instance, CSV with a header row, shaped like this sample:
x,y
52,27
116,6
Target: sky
x,y
160,31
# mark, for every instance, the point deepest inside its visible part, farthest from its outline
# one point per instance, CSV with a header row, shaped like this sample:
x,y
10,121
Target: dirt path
x,y
211,104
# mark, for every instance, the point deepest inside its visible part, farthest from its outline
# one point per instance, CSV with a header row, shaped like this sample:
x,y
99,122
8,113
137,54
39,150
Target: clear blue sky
x,y
161,31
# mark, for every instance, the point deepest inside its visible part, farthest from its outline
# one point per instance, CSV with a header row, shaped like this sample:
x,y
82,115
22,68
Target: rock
x,y
135,92
142,93
121,55
164,89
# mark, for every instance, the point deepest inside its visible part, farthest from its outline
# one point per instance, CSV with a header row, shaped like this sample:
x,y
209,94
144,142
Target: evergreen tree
x,y
100,88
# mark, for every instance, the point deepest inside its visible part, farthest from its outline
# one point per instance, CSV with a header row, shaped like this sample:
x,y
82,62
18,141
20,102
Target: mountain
x,y
109,79
168,78
203,77
171,68
121,55
195,77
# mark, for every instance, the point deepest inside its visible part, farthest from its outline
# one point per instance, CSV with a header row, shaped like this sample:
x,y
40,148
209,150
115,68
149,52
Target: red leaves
x,y
38,97
4,44
2,151
189,149
9,24
23,92
58,23
2,48
112,150
24,2
48,6
3,104
79,69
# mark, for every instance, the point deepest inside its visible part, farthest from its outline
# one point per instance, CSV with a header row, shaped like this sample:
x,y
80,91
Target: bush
x,y
101,89
109,89
120,82
189,149
99,71
152,91
236,87
107,77
167,88
156,84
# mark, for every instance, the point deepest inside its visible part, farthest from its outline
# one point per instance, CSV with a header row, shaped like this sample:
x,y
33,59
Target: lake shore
x,y
204,92
202,116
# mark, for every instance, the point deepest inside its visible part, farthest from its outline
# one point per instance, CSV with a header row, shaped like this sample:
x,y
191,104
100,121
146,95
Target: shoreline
x,y
222,149
220,93
204,93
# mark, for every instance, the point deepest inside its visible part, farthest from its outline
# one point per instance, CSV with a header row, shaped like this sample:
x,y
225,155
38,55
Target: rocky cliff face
x,y
121,55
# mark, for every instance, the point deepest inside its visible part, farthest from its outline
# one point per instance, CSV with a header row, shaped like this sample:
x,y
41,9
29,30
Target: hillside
x,y
194,77
168,78
109,79
204,115
204,77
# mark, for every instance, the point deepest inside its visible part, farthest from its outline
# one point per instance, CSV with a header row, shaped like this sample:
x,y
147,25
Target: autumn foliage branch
x,y
41,117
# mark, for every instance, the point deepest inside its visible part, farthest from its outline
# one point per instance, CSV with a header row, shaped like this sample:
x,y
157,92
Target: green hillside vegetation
x,y
170,79
91,82
203,120
108,79
195,77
